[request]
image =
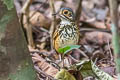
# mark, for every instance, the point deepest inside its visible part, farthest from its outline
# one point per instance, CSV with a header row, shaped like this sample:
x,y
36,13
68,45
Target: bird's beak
x,y
57,13
54,14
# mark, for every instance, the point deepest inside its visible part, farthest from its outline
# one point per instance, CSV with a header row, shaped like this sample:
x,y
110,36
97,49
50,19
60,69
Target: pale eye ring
x,y
70,14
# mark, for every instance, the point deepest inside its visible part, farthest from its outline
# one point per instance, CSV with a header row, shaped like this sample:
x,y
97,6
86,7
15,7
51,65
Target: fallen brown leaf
x,y
44,66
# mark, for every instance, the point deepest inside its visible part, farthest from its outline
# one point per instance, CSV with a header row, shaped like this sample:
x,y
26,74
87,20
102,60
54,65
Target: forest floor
x,y
94,24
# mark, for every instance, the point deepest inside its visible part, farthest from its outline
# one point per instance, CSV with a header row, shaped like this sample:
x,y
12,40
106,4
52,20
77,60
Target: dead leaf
x,y
38,19
44,66
97,37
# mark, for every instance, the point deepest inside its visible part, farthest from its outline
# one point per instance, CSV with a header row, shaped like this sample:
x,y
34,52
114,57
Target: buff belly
x,y
64,41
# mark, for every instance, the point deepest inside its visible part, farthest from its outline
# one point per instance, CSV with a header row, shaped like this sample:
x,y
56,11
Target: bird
x,y
67,32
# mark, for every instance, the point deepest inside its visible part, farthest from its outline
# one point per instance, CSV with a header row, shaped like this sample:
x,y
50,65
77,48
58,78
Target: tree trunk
x,y
15,62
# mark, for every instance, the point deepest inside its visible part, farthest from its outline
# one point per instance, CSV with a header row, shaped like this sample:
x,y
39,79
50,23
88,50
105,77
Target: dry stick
x,y
78,12
43,4
110,52
39,8
28,26
51,2
41,72
115,33
83,53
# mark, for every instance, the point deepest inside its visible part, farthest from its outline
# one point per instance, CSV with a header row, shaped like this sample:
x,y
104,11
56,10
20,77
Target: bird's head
x,y
66,14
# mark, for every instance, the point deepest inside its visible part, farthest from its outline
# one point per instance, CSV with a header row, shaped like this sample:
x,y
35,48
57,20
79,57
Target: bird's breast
x,y
68,35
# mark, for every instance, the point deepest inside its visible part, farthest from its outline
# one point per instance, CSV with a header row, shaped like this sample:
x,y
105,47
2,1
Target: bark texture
x,y
15,62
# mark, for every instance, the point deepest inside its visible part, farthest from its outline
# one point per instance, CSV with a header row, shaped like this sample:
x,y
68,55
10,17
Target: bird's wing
x,y
55,35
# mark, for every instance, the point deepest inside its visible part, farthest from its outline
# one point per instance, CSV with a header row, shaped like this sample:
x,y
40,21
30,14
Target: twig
x,y
75,60
42,4
94,29
52,63
51,2
83,53
39,7
45,30
114,12
28,26
26,6
78,11
41,72
110,52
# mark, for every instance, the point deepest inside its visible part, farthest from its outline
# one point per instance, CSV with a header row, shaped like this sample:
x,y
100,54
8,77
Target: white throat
x,y
63,21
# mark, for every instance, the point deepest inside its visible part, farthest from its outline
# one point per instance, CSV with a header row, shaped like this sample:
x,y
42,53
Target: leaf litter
x,y
95,42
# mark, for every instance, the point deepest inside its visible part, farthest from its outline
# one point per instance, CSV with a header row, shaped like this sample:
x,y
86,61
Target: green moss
x,y
24,72
7,17
9,4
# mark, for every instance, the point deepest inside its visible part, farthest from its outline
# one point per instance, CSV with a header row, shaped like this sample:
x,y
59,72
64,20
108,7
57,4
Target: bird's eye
x,y
65,12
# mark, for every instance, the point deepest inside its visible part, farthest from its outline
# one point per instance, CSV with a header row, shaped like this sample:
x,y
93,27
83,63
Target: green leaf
x,y
99,73
64,75
68,48
90,69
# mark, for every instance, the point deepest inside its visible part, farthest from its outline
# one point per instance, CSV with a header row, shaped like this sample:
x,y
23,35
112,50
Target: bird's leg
x,y
61,58
63,62
69,60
